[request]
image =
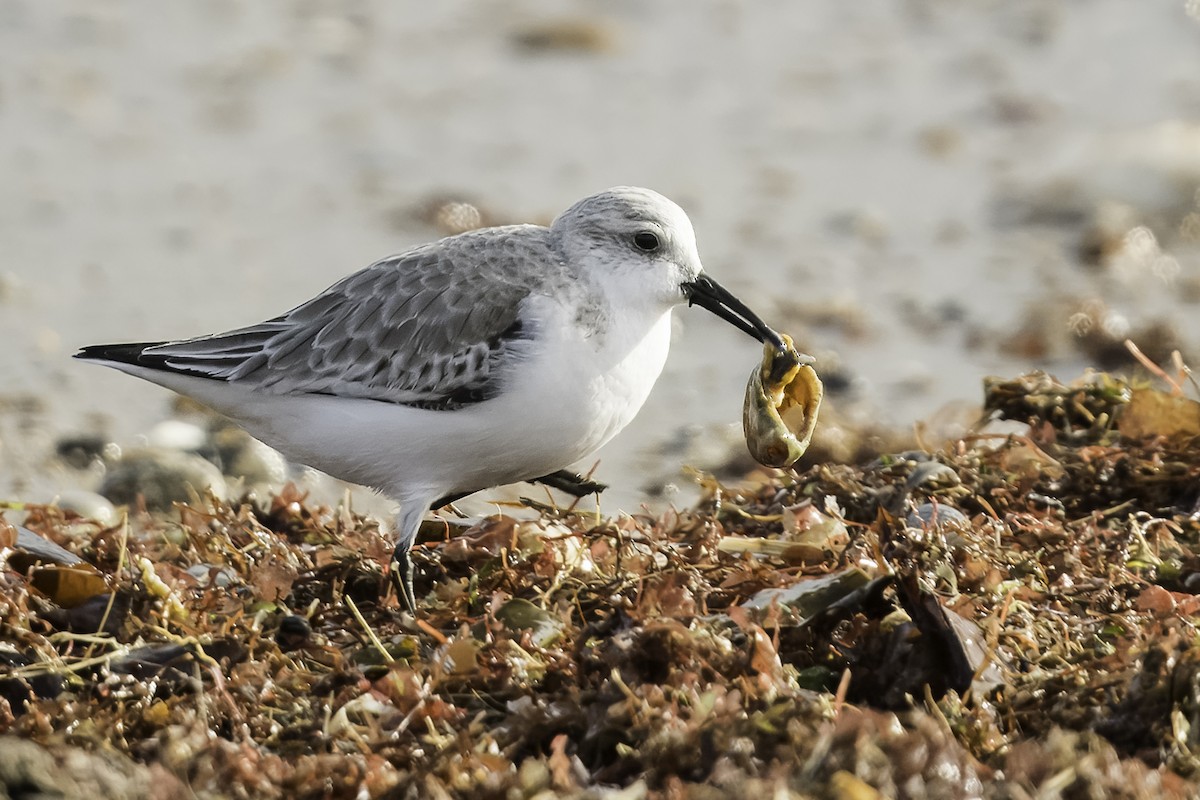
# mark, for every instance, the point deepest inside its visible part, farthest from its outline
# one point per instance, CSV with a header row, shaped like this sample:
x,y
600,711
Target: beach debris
x,y
812,595
1151,412
1012,614
783,397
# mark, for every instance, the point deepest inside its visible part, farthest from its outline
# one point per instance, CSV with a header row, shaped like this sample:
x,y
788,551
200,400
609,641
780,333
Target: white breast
x,y
575,393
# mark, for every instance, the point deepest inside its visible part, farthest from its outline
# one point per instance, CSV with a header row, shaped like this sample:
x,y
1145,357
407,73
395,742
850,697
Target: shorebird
x,y
494,356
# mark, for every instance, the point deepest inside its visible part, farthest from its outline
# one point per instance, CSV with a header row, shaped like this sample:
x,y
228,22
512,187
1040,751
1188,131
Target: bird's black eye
x,y
645,241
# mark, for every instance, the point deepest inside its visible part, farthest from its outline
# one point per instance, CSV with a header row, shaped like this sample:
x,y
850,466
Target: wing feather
x,y
434,327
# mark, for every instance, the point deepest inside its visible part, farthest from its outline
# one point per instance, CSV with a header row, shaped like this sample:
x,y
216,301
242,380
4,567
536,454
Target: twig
x,y
122,552
1155,369
378,645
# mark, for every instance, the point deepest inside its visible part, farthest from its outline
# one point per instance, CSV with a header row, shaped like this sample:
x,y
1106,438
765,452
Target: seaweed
x,y
1012,615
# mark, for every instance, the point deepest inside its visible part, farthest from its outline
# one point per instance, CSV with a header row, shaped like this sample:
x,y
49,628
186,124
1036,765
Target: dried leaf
x,y
273,578
69,586
1154,413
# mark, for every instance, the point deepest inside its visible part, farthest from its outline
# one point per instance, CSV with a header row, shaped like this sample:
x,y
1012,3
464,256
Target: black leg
x,y
575,485
448,499
402,577
564,480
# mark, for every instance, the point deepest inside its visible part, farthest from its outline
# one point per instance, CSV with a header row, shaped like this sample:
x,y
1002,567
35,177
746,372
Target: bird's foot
x,y
575,485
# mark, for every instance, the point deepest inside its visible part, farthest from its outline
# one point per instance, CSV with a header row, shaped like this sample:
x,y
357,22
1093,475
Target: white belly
x,y
568,399
579,401
561,406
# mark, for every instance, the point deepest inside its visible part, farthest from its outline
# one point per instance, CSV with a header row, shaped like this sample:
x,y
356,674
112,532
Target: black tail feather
x,y
134,353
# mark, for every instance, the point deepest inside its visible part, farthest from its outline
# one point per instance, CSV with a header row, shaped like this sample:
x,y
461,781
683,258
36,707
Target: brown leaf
x,y
69,586
273,578
1156,600
463,653
1154,413
485,540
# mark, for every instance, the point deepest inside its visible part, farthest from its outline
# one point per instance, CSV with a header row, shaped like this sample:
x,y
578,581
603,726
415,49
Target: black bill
x,y
707,293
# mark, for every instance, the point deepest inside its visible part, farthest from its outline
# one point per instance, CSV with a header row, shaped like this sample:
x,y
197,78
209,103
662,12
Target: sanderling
x,y
494,356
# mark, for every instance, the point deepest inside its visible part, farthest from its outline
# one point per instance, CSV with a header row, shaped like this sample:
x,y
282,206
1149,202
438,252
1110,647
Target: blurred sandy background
x,y
923,192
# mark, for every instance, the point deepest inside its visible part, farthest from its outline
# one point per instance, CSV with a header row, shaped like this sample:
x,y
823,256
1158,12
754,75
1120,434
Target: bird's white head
x,y
634,236
643,244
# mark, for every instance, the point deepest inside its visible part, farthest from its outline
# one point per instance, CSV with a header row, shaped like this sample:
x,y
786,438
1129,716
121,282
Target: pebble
x,y
162,477
293,633
175,434
243,456
88,505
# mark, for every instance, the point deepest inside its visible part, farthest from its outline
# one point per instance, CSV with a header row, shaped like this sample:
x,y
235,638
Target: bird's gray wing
x,y
433,327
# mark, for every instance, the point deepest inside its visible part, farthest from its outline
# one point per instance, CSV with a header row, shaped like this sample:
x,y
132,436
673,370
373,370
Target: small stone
x,y
243,456
88,505
162,478
293,633
175,434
